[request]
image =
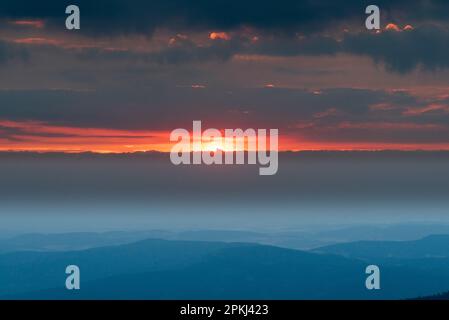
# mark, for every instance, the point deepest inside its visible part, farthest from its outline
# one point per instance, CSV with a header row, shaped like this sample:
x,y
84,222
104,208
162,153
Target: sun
x,y
222,144
213,146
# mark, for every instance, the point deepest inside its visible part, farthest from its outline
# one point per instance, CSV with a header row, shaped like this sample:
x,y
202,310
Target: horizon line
x,y
75,152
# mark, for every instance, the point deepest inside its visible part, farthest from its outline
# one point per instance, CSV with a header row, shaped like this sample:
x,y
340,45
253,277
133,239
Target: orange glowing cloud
x,y
328,113
382,107
37,127
393,27
39,136
37,41
43,137
198,86
430,108
366,146
219,36
294,142
39,24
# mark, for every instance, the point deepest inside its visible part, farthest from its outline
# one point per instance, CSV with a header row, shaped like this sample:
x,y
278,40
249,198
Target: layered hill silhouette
x,y
161,269
293,239
434,246
85,240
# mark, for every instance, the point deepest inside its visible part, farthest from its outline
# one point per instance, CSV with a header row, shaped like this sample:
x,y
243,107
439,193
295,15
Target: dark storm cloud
x,y
141,16
292,46
426,46
162,106
402,52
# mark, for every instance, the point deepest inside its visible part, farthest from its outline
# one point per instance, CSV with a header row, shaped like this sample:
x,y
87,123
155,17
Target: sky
x,y
136,71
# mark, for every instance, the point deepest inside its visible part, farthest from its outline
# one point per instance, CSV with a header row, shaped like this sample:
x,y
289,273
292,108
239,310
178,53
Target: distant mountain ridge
x,y
433,246
293,239
85,240
74,240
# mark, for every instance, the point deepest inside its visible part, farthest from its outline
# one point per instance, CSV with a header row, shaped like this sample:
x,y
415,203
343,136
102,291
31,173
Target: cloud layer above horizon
x,y
136,71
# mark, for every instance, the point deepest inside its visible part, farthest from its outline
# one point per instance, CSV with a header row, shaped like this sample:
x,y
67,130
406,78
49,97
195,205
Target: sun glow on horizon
x,y
34,136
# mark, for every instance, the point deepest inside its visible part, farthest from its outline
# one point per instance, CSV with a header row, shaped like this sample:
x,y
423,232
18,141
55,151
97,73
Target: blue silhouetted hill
x,y
159,269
